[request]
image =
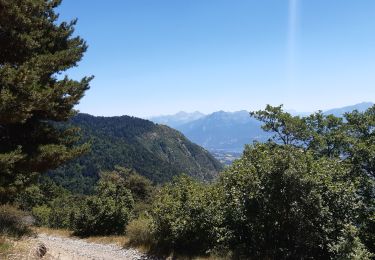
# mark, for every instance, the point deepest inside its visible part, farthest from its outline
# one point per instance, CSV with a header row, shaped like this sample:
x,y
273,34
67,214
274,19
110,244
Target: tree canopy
x,y
349,139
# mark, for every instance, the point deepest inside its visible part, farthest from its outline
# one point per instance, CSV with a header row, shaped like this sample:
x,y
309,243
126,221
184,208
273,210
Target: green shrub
x,y
280,202
13,222
140,231
59,213
184,217
367,230
42,215
276,202
63,210
31,197
140,187
102,216
349,246
140,208
106,213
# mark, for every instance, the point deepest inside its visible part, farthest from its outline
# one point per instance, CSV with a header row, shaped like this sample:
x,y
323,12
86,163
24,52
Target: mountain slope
x,y
155,151
341,111
177,119
228,131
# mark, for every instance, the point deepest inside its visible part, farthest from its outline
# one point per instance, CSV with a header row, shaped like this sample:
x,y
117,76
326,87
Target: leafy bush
x,y
58,212
31,197
349,246
42,215
349,139
63,210
141,189
13,222
51,205
108,212
184,217
367,229
279,202
102,217
276,202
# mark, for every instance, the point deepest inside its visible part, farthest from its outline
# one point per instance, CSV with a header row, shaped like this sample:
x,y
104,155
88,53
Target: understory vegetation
x,y
307,193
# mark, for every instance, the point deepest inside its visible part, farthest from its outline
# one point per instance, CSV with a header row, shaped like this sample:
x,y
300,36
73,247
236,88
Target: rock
x,y
41,250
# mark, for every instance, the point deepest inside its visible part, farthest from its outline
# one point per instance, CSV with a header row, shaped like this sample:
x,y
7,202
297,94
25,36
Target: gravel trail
x,y
64,248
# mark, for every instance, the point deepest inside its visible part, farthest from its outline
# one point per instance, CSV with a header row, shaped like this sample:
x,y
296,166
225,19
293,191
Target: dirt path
x,y
64,248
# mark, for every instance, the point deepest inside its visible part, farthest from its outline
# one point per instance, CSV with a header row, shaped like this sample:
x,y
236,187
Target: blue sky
x,y
152,57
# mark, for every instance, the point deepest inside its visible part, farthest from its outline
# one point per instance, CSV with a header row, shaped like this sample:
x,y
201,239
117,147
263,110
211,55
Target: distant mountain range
x,y
177,119
230,131
224,131
157,152
341,111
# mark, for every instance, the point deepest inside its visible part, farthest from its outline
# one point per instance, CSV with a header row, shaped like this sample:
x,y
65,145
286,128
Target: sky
x,y
153,57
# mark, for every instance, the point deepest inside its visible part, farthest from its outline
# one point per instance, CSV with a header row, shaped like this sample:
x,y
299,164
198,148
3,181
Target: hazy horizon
x,y
290,110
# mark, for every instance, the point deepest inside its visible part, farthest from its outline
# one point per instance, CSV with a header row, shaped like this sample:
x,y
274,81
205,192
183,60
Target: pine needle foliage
x,y
35,49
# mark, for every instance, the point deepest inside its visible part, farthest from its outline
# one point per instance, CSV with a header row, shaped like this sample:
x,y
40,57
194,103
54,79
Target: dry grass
x,y
5,245
117,240
13,222
17,249
139,232
53,232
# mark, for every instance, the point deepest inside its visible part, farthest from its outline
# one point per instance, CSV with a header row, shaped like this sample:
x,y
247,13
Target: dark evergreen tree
x,y
34,50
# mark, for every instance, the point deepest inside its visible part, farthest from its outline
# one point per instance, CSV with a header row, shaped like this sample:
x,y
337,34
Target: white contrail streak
x,y
292,35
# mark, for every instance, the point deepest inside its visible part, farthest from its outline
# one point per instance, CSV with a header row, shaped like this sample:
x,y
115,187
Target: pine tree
x,y
34,50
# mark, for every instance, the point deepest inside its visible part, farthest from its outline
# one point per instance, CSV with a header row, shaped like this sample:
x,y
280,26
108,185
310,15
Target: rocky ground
x,y
71,248
51,247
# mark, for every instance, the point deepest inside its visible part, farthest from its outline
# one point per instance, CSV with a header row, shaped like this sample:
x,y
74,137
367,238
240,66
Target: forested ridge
x,y
154,151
